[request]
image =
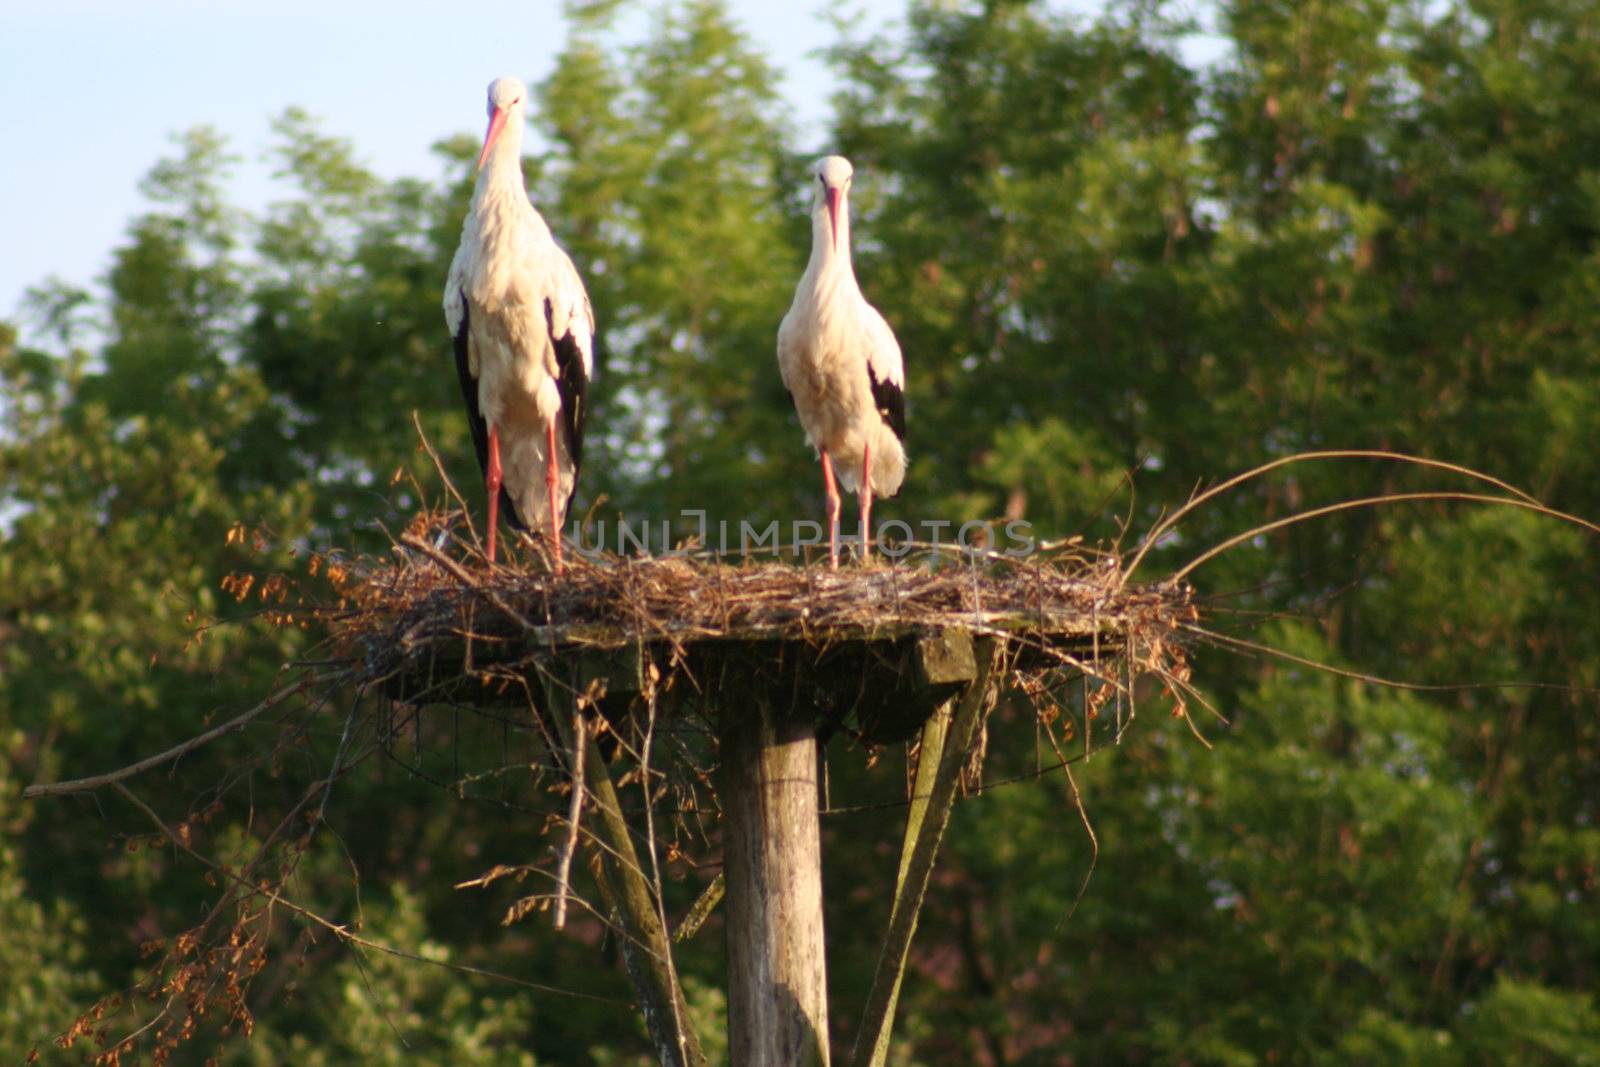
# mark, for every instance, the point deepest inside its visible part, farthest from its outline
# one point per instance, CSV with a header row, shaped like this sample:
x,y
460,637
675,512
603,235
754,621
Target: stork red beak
x,y
833,216
496,124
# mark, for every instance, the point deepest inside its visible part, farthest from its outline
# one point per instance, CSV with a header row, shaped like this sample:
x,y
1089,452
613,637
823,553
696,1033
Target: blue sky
x,y
91,93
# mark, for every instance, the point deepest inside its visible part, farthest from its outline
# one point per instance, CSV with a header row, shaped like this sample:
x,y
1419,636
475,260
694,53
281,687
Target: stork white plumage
x,y
842,365
524,336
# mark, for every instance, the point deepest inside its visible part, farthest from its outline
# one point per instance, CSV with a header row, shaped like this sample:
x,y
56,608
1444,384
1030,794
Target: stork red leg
x,y
491,482
550,483
833,509
866,501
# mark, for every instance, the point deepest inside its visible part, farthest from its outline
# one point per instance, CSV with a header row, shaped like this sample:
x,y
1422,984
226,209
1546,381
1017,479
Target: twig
x,y
98,781
574,813
1076,796
646,680
444,479
344,933
338,758
455,569
1374,679
1170,521
1372,501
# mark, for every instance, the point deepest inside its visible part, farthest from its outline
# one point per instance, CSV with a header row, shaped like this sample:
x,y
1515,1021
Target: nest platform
x,y
873,647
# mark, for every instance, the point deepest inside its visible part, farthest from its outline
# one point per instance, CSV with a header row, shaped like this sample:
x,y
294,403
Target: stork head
x,y
833,179
507,97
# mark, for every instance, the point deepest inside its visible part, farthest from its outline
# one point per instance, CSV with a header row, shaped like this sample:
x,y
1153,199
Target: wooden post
x,y
777,979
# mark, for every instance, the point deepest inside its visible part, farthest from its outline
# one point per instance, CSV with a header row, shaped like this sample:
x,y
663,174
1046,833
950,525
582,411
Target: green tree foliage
x,y
1360,225
674,187
343,324
45,952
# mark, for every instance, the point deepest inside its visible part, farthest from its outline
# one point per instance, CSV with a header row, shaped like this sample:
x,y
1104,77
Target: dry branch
x,y
238,722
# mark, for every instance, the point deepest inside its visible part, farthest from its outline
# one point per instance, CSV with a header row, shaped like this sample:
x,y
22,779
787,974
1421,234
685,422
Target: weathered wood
x,y
647,952
702,909
882,689
618,668
938,771
944,658
472,664
930,752
777,978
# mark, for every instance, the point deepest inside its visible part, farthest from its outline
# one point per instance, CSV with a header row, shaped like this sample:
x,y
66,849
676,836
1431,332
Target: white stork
x,y
524,336
842,365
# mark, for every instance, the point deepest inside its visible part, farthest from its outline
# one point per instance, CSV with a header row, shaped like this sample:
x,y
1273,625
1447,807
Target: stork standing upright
x,y
524,336
842,365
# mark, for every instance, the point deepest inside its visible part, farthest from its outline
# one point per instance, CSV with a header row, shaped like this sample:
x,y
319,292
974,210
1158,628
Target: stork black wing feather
x,y
572,383
890,400
475,420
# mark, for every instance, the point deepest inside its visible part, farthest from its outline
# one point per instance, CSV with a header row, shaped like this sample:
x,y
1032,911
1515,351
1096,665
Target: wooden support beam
x,y
944,658
946,740
777,978
647,952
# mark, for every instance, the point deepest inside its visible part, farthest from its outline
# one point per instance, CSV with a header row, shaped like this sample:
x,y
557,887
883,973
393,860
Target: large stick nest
x,y
431,625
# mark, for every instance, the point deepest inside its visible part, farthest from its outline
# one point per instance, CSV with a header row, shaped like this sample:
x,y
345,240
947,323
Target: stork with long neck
x,y
842,365
524,337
